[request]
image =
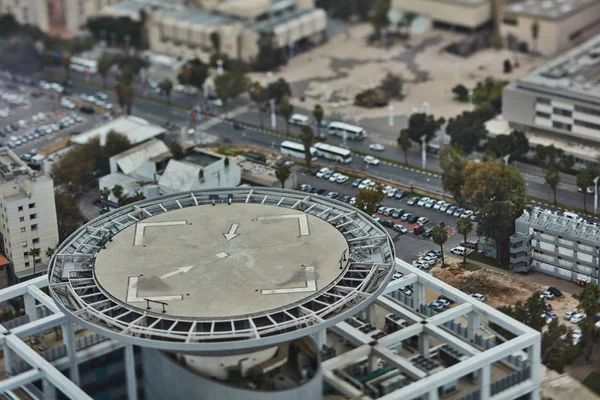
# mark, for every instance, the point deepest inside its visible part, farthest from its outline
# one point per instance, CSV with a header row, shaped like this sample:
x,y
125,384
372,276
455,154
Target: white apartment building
x,y
27,216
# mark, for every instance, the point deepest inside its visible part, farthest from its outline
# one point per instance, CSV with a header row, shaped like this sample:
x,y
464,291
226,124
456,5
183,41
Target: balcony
x,y
521,265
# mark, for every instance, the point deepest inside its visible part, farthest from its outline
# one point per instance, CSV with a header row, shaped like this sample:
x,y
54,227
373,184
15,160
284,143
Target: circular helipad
x,y
221,270
210,262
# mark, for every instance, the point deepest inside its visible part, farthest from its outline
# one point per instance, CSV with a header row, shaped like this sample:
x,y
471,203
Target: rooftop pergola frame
x,y
526,341
365,270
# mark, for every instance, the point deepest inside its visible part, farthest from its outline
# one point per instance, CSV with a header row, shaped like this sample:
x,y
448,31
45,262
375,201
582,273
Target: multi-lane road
x,y
244,112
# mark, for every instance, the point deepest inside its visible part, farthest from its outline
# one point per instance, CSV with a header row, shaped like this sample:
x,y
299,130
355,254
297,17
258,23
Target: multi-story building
x,y
27,216
556,245
549,27
466,15
560,101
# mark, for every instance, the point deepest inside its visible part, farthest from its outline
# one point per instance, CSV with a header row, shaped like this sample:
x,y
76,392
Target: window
x,y
24,244
36,240
510,20
587,125
20,208
21,219
587,110
542,115
38,261
23,230
563,112
32,216
560,125
27,264
34,227
26,254
542,100
31,205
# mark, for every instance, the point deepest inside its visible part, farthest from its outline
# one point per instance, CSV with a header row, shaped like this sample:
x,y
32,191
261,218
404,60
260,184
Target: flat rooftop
x,y
137,130
187,259
201,158
269,25
576,72
547,9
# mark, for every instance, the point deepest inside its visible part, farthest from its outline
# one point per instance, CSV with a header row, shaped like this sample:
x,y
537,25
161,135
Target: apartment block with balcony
x,y
555,245
27,216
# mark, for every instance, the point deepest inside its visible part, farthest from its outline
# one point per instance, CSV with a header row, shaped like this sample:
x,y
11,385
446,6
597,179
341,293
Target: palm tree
x,y
104,193
404,143
258,94
117,191
282,172
49,252
166,86
585,178
464,226
34,253
318,113
66,64
307,141
286,110
104,65
552,179
440,236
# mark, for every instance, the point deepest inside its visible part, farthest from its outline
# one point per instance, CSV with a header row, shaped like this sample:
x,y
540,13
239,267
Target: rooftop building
x,y
28,216
136,129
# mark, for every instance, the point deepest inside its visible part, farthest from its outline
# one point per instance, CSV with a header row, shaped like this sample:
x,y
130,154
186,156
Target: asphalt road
x,y
566,194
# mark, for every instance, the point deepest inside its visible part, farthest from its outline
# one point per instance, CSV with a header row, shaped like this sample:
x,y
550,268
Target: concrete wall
x,y
555,36
165,379
450,12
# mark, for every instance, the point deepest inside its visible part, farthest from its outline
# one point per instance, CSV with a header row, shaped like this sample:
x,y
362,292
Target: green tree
x,y
215,40
367,199
318,114
66,64
461,93
124,200
279,90
497,191
552,178
282,173
440,236
407,20
464,227
392,85
558,350
230,85
8,25
585,179
117,191
468,129
125,96
49,252
104,64
176,150
588,302
516,145
423,126
104,194
74,172
166,86
193,74
307,138
453,165
404,143
68,215
286,109
379,15
34,253
258,94
269,56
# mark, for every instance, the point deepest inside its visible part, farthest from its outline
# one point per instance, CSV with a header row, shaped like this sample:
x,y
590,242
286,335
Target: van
x,y
299,119
573,216
459,251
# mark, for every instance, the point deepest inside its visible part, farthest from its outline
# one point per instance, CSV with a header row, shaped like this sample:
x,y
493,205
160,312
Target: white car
x,y
478,296
422,201
376,147
459,251
546,295
467,214
322,172
438,204
569,314
386,189
366,183
370,160
342,179
334,176
577,318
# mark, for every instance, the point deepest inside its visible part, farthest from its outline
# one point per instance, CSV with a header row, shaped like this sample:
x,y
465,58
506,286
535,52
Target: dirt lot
x,y
500,289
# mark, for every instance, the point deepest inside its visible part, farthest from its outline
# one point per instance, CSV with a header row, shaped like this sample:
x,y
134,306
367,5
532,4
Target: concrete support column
x,y
9,359
68,335
320,339
418,296
424,344
433,394
48,389
130,372
485,382
373,363
371,314
534,353
30,308
473,327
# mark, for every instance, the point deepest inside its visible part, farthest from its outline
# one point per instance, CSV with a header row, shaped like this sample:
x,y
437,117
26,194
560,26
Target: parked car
x,y
412,201
413,219
569,314
577,318
451,210
387,223
458,212
445,207
322,172
376,147
356,182
333,195
459,251
478,296
423,221
422,201
554,291
435,306
366,183
400,229
400,194
546,295
428,233
438,204
406,217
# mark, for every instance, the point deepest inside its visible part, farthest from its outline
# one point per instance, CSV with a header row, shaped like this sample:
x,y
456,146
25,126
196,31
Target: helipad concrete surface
x,y
221,261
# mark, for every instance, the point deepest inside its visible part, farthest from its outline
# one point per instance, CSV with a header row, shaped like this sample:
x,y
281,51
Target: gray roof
x,y
575,73
197,16
269,25
549,222
548,9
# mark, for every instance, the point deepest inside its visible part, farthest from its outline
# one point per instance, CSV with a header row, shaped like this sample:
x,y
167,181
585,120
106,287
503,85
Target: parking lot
x,y
409,246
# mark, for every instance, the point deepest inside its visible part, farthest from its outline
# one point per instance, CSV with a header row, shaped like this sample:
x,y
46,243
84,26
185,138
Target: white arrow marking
x,y
180,270
232,232
132,293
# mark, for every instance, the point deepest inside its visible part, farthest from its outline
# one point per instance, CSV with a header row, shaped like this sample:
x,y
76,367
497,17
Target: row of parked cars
x,y
99,99
428,259
36,133
442,206
331,176
332,195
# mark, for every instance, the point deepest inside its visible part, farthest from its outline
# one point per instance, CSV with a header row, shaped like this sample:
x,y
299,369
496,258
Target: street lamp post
x,y
423,152
426,108
391,117
219,67
273,118
471,99
596,194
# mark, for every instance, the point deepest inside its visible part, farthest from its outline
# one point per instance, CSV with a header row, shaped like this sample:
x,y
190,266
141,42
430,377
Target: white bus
x,y
295,149
349,131
333,153
84,65
299,119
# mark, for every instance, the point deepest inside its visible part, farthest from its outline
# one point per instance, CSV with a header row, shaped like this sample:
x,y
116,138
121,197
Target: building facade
x,y
560,99
462,14
556,245
28,216
550,27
